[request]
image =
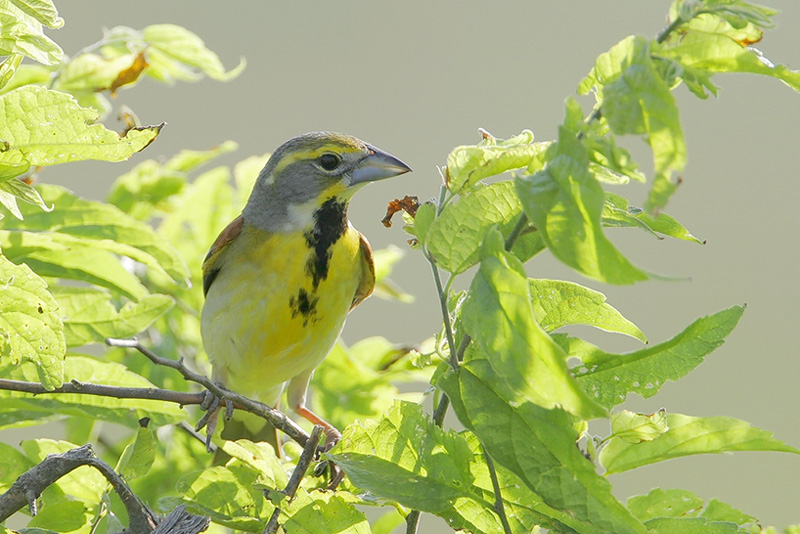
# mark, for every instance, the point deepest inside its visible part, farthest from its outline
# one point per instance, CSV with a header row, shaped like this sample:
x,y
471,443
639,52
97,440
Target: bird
x,y
281,278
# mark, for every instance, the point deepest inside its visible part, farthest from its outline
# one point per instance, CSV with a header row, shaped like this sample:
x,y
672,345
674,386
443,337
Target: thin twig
x,y
498,497
448,328
117,392
307,456
277,418
30,485
412,521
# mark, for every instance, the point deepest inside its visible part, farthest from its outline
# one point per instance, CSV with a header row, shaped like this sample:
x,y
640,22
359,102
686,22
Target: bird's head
x,y
310,169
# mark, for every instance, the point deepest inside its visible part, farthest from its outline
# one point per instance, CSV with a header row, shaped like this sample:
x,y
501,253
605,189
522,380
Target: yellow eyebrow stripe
x,y
313,154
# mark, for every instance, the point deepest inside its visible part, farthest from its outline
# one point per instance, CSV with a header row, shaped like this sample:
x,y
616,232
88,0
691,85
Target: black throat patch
x,y
330,223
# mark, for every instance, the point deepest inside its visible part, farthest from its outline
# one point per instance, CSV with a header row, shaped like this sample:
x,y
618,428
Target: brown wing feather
x,y
367,282
225,238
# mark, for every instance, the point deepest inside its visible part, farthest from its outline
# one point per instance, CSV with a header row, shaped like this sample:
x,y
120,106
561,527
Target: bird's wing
x,y
367,282
211,265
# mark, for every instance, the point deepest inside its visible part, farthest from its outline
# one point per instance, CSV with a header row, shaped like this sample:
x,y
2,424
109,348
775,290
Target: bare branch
x,y
117,392
277,418
179,521
299,472
30,485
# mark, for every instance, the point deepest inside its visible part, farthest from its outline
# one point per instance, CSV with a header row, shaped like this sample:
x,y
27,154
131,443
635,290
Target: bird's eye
x,y
329,161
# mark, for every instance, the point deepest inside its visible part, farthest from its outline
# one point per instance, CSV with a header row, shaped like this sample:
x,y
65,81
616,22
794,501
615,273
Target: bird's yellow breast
x,y
272,312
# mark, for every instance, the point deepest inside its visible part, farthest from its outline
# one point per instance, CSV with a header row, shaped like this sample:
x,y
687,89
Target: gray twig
x,y
299,472
277,418
30,485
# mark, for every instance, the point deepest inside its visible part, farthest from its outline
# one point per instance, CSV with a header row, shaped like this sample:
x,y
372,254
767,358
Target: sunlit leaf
x,y
637,427
610,377
687,436
30,328
175,50
406,458
321,512
557,303
499,316
454,238
565,203
139,455
21,32
18,409
618,212
49,127
538,445
467,165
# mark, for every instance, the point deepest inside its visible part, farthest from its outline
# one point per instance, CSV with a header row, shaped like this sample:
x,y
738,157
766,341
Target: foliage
x,y
76,271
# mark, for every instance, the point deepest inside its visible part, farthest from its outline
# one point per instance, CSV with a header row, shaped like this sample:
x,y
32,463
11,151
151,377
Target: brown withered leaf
x,y
129,75
409,204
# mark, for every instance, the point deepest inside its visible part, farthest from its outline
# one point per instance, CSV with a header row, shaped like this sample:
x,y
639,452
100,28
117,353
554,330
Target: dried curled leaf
x,y
409,204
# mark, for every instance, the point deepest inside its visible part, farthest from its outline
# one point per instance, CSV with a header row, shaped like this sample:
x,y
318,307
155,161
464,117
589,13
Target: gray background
x,y
418,78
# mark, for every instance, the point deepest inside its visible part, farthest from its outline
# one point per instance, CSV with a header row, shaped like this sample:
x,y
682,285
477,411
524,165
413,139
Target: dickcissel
x,y
280,279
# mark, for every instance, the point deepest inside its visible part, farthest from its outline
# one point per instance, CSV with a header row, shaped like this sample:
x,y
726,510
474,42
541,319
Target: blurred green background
x,y
417,78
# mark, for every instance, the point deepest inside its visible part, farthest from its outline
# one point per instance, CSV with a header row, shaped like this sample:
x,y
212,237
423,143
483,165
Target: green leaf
x,y
637,427
565,203
260,458
385,260
43,11
82,222
688,436
91,73
665,503
345,389
226,495
610,377
19,409
21,33
690,525
49,127
419,224
720,511
539,446
90,317
699,50
84,484
8,67
467,165
61,256
454,238
557,304
138,456
22,191
634,99
321,512
12,464
174,50
150,186
404,457
681,503
618,212
527,365
61,515
30,329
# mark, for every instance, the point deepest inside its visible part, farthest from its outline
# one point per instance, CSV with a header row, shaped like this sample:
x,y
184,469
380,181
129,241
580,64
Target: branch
x,y
30,485
117,392
297,476
277,418
498,497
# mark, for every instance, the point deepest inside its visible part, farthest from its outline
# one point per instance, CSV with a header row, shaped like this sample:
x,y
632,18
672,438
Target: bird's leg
x,y
296,394
211,405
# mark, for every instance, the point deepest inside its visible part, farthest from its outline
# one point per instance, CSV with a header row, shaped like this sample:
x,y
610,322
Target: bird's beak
x,y
377,166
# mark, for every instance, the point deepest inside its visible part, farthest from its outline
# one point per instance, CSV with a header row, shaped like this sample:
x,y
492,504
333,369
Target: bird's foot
x,y
210,419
